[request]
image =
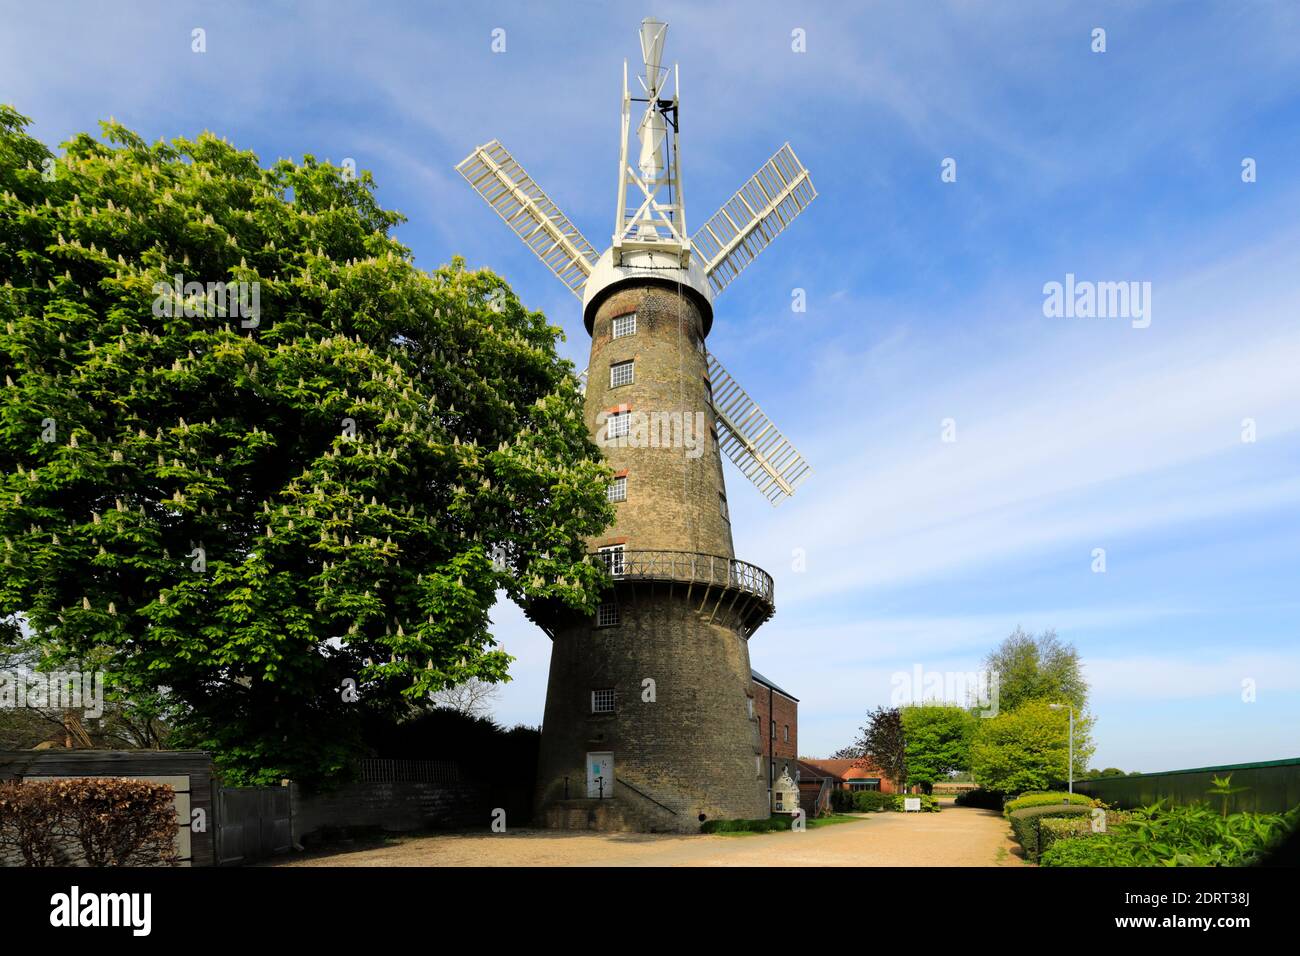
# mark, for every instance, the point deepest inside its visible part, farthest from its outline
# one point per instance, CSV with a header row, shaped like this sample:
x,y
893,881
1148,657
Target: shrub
x,y
1044,799
870,801
1054,829
1179,836
1025,823
765,825
981,798
928,803
842,800
96,822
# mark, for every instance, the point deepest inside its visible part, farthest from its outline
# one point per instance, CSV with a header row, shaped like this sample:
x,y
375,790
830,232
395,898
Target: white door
x,y
600,775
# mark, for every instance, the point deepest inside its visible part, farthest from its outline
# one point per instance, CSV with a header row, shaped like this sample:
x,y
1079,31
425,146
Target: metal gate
x,y
253,823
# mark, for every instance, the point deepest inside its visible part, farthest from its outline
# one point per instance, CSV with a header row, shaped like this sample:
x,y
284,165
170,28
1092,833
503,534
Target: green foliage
x,y
881,740
1025,823
937,742
1178,836
928,803
331,554
1047,799
871,801
1053,829
1021,750
1037,668
765,825
1222,787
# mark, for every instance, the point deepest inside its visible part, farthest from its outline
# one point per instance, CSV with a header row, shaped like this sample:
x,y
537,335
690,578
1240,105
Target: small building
x,y
853,774
815,786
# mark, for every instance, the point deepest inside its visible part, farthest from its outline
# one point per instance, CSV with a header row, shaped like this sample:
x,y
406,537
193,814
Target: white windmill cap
x,y
646,267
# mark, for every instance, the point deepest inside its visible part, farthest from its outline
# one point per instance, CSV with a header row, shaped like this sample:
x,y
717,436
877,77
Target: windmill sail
x,y
495,175
751,441
749,220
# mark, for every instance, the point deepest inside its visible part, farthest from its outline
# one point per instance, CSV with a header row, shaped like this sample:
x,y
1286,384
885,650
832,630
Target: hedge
x,y
764,825
1054,829
1050,798
981,798
1026,822
87,821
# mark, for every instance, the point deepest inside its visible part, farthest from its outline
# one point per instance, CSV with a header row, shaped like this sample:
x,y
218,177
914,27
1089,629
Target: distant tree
x,y
937,742
1037,668
1024,749
473,697
851,752
881,741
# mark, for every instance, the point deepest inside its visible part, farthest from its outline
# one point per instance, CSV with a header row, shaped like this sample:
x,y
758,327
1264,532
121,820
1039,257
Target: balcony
x,y
722,583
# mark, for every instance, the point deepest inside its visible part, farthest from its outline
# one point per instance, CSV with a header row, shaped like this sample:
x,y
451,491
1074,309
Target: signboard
x,y
911,803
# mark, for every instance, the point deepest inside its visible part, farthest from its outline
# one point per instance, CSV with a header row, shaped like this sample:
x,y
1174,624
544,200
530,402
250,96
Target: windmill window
x,y
612,556
617,490
618,425
602,701
722,505
620,373
708,387
607,614
624,325
749,707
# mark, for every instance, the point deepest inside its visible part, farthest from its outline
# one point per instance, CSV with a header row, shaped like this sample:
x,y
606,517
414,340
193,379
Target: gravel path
x,y
957,836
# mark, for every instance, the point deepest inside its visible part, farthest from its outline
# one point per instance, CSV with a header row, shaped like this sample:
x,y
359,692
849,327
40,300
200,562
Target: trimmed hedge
x,y
1049,798
87,821
1054,829
981,799
1026,823
765,825
872,801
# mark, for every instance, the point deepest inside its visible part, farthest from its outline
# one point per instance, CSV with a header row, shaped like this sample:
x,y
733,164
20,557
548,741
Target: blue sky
x,y
924,299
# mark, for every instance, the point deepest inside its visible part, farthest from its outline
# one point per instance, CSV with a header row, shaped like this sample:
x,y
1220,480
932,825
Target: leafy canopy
x,y
245,511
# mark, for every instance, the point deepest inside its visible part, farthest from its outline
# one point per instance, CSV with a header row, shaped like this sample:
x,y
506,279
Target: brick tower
x,y
649,722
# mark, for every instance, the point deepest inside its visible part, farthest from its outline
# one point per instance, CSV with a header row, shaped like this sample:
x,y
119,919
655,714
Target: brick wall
x,y
782,750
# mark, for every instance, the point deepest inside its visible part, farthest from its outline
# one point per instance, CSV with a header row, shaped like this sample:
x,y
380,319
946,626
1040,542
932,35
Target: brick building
x,y
777,713
855,774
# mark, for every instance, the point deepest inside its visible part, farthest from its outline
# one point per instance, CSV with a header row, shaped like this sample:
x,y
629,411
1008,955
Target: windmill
x,y
617,752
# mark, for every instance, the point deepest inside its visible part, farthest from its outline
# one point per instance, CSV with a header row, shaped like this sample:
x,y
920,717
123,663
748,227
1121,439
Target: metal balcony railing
x,y
688,566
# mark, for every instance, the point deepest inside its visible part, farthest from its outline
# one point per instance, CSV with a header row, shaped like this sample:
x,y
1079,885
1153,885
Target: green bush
x,y
765,825
870,801
981,798
1026,821
1054,829
928,803
1178,836
842,801
1044,799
